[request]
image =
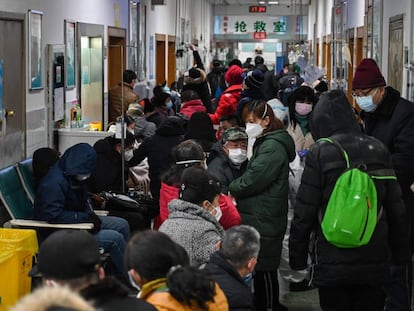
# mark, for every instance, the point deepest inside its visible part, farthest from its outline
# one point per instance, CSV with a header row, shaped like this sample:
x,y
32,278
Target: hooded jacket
x,y
108,174
194,228
115,100
61,199
333,117
157,149
262,194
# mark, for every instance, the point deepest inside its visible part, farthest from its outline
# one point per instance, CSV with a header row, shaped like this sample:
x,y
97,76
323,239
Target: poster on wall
x,y
151,58
70,27
35,50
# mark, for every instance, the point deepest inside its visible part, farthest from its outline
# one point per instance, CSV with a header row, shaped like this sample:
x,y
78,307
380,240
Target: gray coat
x,y
194,228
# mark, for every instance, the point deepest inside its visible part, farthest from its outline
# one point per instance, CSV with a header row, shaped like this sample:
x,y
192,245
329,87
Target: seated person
x,y
143,128
232,266
193,219
62,197
229,158
160,268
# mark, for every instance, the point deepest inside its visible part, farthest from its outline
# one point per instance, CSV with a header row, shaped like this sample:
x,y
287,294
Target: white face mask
x,y
216,212
237,156
253,129
82,177
129,154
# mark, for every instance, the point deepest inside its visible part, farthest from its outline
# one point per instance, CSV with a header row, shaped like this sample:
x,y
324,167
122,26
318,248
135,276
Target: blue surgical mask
x,y
248,279
366,103
169,104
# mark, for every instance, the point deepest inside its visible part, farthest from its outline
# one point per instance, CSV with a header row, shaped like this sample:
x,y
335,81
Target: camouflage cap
x,y
234,133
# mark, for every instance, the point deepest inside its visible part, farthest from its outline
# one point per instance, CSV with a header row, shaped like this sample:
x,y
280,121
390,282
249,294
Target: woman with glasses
x,y
262,196
193,221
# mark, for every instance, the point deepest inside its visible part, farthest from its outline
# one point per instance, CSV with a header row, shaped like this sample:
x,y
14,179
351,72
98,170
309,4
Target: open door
x,y
116,55
12,98
160,59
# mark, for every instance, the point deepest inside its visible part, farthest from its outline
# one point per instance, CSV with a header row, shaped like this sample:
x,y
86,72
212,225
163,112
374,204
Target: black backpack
x,y
287,85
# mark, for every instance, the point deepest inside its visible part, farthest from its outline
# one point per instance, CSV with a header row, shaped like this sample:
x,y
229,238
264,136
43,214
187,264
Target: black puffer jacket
x,y
333,117
238,295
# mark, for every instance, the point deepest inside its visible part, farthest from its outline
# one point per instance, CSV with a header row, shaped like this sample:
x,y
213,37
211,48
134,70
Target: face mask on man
x,y
82,177
129,154
237,156
216,211
303,109
133,283
169,104
366,103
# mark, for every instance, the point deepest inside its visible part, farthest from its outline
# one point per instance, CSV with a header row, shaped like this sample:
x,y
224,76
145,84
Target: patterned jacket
x,y
194,228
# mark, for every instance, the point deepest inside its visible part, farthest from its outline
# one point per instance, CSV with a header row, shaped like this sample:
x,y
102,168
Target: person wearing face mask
x,y
230,157
234,263
390,118
193,219
300,107
62,196
121,95
162,107
262,196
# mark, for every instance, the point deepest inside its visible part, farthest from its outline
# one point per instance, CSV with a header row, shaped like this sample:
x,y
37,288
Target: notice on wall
x,y
151,58
58,102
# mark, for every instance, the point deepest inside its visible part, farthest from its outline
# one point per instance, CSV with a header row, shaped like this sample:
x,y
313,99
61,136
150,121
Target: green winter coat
x,y
262,194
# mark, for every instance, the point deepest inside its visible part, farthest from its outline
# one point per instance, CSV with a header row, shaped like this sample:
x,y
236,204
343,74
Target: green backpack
x,y
351,214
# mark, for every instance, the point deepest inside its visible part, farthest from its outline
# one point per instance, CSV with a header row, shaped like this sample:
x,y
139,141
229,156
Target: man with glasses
x,y
389,118
229,157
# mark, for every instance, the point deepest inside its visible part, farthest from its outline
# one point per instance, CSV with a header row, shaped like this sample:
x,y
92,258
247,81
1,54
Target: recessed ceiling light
x,y
262,2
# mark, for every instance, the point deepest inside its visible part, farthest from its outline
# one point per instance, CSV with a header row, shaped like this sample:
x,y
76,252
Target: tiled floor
x,y
302,301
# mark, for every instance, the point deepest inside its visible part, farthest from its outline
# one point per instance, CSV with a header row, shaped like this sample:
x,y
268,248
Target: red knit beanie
x,y
234,75
367,75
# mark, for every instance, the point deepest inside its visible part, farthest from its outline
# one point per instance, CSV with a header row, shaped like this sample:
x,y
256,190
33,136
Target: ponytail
x,y
190,285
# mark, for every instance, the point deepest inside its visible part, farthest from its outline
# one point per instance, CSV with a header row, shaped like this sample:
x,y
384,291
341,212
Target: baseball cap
x,y
234,133
67,254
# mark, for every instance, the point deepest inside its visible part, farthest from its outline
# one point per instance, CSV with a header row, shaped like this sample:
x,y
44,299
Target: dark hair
x,y
231,118
128,76
148,106
261,110
236,62
200,127
159,100
302,93
185,151
129,139
258,60
188,95
154,255
198,185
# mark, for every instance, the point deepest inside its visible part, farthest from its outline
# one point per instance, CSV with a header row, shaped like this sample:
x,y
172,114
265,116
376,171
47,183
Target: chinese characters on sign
x,y
260,28
257,9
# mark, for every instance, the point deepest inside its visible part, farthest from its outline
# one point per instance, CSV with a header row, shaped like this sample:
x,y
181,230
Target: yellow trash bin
x,y
17,248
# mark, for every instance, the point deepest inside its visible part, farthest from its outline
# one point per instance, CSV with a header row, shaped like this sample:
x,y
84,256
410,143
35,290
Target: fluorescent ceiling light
x,y
262,2
273,2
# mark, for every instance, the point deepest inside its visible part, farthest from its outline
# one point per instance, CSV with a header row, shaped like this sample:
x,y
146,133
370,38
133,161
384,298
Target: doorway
x,y
160,59
116,55
12,98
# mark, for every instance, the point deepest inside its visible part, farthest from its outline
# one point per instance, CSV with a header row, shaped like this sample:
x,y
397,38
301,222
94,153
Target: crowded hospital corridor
x,y
206,155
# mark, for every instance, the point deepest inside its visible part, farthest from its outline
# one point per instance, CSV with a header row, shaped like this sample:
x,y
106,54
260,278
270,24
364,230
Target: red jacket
x,y
191,106
228,103
230,218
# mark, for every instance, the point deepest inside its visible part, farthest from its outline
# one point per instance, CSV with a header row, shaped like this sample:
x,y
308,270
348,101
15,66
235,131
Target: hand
x,y
93,218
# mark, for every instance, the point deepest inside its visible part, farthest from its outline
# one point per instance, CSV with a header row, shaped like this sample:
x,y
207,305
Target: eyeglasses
x,y
362,93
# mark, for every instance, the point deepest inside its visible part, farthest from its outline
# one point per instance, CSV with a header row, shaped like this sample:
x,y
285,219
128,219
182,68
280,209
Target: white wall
x,y
54,14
